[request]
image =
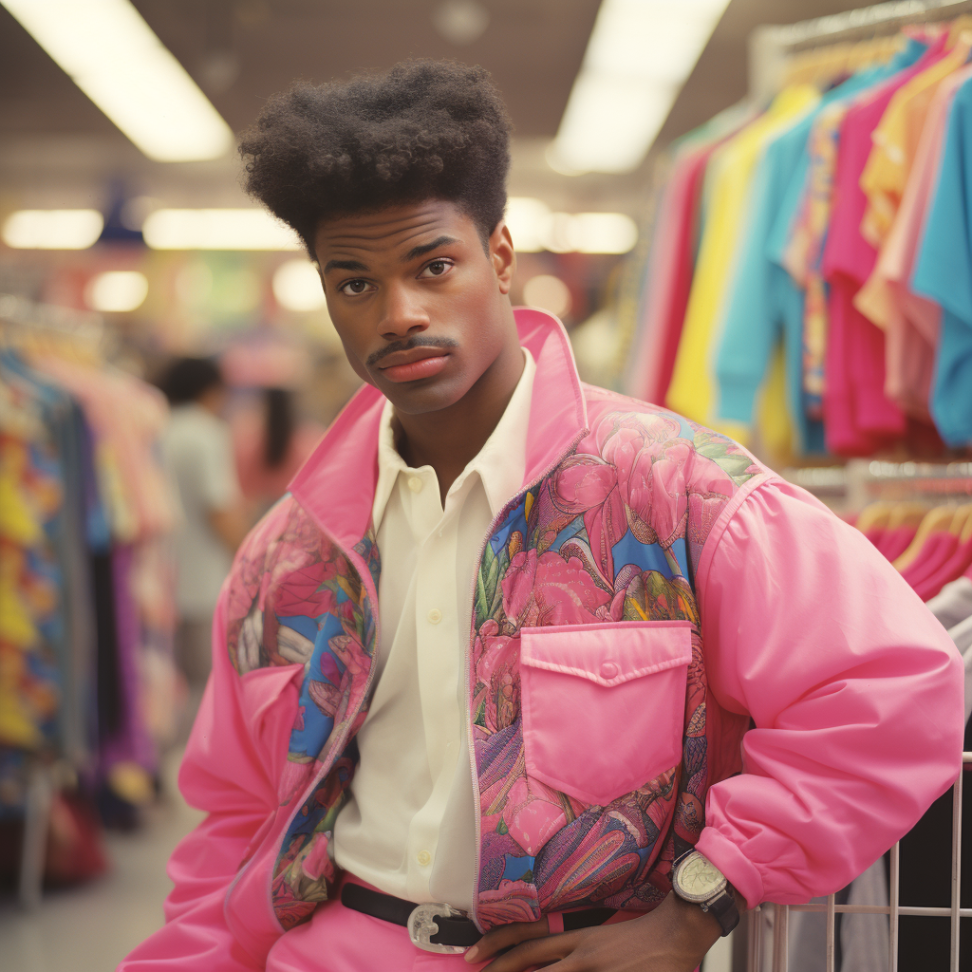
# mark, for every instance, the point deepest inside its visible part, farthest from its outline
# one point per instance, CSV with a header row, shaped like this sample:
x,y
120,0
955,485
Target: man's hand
x,y
672,938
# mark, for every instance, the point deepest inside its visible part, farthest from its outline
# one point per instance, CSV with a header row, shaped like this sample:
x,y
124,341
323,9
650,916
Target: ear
x,y
502,256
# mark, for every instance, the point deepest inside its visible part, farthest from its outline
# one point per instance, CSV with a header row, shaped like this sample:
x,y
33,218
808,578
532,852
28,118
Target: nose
x,y
402,312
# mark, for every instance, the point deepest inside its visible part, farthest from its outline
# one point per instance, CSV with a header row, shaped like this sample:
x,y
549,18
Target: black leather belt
x,y
438,927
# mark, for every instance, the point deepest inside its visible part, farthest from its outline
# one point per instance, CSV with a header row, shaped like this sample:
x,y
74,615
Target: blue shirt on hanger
x,y
943,272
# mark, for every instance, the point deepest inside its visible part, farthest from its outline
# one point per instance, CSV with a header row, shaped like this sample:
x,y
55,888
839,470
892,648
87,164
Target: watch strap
x,y
723,907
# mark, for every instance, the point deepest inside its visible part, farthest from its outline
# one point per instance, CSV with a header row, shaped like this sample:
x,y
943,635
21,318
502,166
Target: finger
x,y
505,937
540,951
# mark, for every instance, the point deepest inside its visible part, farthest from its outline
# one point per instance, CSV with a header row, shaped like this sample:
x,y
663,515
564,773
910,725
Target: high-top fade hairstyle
x,y
424,130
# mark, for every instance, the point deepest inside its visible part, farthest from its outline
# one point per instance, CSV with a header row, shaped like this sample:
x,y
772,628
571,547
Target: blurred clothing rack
x,y
771,46
20,312
860,481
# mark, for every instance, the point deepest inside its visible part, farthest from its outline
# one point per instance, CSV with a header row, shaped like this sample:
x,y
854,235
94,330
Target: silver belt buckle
x,y
421,927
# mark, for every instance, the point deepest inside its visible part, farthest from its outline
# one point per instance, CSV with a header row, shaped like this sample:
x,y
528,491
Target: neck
x,y
448,439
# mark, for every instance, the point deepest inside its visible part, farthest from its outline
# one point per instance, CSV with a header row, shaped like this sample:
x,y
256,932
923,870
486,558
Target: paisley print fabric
x,y
614,533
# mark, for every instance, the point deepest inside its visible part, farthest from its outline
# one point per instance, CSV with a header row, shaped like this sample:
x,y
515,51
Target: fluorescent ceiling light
x,y
217,229
639,54
52,229
117,291
118,62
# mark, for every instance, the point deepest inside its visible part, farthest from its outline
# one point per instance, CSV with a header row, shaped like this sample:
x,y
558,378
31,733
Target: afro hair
x,y
423,130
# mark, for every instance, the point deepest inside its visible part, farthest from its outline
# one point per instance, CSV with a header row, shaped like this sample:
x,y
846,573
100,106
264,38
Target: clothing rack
x,y
771,46
17,312
109,547
860,481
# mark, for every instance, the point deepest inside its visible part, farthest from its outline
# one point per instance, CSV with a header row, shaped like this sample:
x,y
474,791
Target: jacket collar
x,y
336,486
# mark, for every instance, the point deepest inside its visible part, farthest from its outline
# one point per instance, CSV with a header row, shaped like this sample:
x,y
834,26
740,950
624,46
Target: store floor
x,y
93,927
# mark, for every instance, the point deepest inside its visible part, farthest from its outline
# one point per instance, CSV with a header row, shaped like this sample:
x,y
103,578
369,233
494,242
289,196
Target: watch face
x,y
699,878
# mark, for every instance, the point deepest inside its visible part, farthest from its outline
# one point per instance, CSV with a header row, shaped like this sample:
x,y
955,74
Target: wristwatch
x,y
697,880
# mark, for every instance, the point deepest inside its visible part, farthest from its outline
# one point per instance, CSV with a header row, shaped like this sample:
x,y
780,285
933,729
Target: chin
x,y
420,399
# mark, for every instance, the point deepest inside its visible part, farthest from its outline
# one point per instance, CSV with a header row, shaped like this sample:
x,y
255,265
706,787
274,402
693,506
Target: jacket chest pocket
x,y
603,705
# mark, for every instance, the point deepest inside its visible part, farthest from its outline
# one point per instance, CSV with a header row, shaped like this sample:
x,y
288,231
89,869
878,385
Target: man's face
x,y
420,307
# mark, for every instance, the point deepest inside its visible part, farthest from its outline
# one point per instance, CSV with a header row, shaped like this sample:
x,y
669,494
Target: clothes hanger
x,y
875,516
937,519
966,535
960,520
957,31
907,514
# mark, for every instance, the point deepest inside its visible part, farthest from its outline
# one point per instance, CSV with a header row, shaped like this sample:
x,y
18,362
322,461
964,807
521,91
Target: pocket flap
x,y
608,654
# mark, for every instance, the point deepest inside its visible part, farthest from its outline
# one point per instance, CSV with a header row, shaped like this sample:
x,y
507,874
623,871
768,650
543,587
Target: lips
x,y
414,364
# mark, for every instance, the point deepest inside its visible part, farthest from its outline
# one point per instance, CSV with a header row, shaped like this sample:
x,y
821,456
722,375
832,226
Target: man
x,y
198,455
516,654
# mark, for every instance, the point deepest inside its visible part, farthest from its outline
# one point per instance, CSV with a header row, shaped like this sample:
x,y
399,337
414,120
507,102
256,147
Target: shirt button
x,y
609,670
415,484
434,616
424,858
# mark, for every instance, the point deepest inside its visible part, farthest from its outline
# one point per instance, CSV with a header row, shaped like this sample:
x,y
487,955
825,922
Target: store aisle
x,y
92,927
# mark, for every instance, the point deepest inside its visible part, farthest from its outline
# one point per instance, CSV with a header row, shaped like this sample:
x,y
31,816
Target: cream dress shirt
x,y
409,825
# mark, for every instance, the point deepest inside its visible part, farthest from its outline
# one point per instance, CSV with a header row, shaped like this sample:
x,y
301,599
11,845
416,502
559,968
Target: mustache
x,y
415,342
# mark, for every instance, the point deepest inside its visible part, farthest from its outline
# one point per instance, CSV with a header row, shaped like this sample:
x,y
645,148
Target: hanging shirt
x,y
858,417
764,304
669,280
408,827
943,272
671,264
692,388
953,603
896,143
910,321
801,229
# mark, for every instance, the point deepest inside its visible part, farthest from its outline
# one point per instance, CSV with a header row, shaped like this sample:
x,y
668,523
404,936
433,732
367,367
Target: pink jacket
x,y
654,612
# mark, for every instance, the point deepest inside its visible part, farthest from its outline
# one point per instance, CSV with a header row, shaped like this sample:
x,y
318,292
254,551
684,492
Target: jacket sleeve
x,y
231,766
854,689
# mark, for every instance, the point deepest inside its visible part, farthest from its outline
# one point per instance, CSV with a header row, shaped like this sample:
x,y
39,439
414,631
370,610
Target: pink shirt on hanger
x,y
896,541
910,321
937,550
857,414
953,568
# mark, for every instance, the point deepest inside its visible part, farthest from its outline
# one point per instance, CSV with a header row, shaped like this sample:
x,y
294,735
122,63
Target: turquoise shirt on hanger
x,y
943,272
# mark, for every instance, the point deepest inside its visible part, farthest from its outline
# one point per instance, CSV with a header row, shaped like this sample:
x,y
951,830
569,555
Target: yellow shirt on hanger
x,y
896,141
691,392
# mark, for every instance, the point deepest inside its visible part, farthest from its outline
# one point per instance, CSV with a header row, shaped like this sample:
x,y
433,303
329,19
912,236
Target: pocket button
x,y
609,670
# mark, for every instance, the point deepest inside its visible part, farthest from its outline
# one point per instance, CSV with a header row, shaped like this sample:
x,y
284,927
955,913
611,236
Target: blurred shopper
x,y
270,443
391,767
198,453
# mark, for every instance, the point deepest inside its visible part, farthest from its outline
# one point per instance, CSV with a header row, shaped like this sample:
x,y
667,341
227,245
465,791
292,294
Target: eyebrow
x,y
355,266
418,251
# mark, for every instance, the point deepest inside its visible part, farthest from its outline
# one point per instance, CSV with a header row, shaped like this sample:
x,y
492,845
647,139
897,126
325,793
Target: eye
x,y
353,288
437,268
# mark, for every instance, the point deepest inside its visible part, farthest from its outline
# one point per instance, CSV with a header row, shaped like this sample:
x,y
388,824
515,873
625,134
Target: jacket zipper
x,y
477,816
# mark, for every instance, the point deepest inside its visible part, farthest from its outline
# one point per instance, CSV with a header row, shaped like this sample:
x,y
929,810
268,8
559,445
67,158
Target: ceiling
x,y
57,149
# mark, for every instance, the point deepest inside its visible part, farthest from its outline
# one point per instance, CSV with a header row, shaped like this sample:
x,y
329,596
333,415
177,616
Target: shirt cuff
x,y
739,870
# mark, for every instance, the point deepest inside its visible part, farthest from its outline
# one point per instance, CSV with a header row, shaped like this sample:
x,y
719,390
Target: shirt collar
x,y
500,464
